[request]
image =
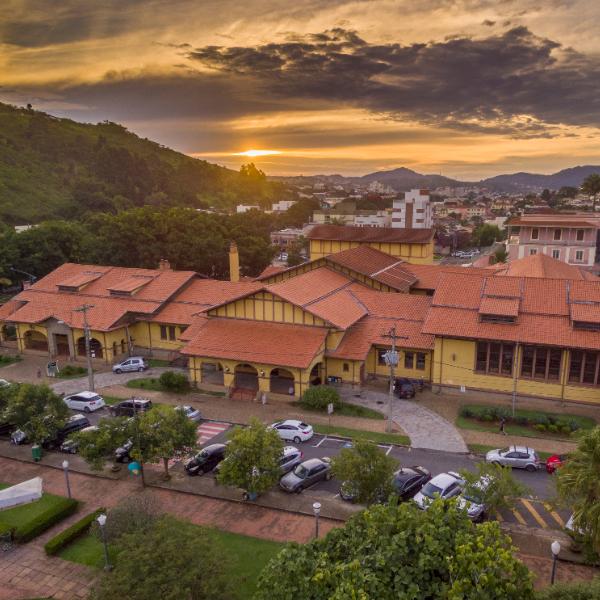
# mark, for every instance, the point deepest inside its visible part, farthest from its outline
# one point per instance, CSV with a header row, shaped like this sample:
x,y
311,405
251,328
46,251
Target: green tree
x,y
98,446
36,410
501,255
252,458
492,485
319,396
486,235
577,485
169,560
546,195
580,590
296,251
366,470
398,551
568,192
299,213
591,186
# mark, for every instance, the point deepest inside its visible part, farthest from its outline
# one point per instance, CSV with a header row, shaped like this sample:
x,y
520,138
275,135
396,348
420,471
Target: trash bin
x,y
36,452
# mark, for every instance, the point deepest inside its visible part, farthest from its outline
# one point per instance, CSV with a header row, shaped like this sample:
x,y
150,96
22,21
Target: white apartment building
x,y
413,211
243,208
282,205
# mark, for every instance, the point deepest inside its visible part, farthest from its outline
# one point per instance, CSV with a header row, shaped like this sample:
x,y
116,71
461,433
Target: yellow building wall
x,y
334,367
106,340
147,335
417,253
373,368
267,307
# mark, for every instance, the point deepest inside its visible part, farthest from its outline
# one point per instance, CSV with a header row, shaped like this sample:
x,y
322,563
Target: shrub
x,y
467,412
488,416
319,396
541,420
64,538
5,528
521,420
70,370
539,427
56,513
174,382
574,426
552,428
588,590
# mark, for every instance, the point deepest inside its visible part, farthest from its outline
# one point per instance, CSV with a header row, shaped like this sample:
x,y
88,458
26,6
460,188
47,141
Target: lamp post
x,y
86,332
317,511
65,466
555,547
102,522
391,359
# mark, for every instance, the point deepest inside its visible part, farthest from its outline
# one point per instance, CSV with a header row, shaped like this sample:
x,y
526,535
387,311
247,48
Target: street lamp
x,y
317,511
102,522
555,547
65,466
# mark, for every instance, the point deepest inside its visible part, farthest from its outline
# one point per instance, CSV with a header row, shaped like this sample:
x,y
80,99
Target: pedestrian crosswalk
x,y
535,513
210,429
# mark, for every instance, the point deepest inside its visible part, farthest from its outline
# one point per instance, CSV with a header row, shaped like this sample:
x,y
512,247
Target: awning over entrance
x,y
258,342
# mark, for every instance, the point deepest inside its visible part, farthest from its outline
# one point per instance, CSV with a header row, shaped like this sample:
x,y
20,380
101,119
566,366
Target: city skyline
x,y
462,88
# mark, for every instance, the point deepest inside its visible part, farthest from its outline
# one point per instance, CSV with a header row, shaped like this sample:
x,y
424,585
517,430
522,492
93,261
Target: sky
x,y
465,88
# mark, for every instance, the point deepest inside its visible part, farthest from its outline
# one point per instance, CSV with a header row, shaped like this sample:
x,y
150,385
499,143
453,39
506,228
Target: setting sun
x,y
257,153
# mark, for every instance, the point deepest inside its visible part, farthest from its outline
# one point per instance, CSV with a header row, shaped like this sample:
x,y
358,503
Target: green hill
x,y
57,168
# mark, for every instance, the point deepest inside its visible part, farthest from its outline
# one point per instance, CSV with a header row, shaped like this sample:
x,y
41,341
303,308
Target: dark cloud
x,y
461,82
488,23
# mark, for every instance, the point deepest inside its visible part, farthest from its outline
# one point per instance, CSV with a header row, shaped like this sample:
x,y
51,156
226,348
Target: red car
x,y
555,462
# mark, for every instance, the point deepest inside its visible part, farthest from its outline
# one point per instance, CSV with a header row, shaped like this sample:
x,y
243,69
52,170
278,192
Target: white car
x,y
4,383
444,485
473,500
293,430
85,401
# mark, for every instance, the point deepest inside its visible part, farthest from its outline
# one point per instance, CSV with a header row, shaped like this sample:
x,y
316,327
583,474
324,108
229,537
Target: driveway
x,y
102,380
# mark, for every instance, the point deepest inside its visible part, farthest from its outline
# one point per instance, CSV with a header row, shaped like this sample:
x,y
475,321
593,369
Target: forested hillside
x,y
54,168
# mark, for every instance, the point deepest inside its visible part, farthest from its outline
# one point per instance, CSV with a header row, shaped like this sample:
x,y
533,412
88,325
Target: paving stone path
x,y
425,428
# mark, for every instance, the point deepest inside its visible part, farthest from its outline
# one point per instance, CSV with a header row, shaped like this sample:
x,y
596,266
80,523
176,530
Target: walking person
x,y
502,424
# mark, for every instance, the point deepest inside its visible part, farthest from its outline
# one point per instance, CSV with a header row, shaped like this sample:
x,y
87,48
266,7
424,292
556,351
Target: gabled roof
x,y
347,233
541,265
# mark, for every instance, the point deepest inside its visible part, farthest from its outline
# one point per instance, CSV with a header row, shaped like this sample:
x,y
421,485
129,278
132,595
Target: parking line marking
x,y
389,450
499,517
518,516
534,513
554,514
320,442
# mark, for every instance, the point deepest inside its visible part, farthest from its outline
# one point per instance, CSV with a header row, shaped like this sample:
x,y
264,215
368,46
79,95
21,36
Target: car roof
x,y
290,422
86,394
75,418
521,449
290,450
213,447
443,480
407,472
313,462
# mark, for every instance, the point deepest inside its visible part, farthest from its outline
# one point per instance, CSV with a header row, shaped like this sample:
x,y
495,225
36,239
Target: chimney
x,y
234,263
26,284
164,265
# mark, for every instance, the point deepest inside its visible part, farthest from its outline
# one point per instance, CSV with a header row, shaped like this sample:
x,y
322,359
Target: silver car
x,y
134,363
306,474
517,457
193,414
472,499
444,485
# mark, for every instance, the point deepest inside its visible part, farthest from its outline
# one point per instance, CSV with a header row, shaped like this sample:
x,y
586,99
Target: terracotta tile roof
x,y
349,233
81,279
588,291
555,220
428,276
542,265
341,308
499,306
190,333
271,270
258,341
587,313
211,292
506,287
392,305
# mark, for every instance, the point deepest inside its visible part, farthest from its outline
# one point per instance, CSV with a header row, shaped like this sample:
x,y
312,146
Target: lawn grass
x,y
374,436
7,359
247,556
157,362
71,372
473,424
483,449
347,410
145,383
110,400
20,516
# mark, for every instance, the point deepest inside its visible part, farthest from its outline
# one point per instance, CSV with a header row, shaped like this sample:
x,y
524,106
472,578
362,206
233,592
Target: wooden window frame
x,y
556,231
411,361
420,357
503,346
580,235
548,350
164,334
584,359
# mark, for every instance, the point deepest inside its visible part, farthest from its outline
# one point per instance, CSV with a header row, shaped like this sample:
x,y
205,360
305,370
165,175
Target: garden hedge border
x,y
64,538
45,520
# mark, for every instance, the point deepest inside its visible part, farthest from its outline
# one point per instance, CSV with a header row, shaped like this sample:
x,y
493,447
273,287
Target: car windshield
x,y
301,471
303,426
93,399
431,490
504,451
473,496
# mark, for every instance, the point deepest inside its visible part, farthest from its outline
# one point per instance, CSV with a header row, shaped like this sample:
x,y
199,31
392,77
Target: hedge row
x,y
5,528
538,422
64,538
56,513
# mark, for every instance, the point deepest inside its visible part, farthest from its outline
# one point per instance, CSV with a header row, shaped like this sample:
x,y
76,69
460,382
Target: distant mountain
x,y
53,168
403,179
522,182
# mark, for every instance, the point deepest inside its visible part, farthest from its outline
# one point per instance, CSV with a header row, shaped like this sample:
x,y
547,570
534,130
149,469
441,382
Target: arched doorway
x,y
246,377
95,347
316,374
213,373
281,381
35,340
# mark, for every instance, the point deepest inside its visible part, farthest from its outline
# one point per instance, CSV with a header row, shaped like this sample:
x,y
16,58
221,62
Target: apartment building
x,y
413,211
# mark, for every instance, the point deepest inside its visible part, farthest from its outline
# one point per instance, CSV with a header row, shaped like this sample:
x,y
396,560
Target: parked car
x,y
445,485
291,457
4,383
293,431
85,401
206,460
307,473
131,407
74,423
122,452
193,414
517,457
134,363
405,390
555,462
472,500
70,445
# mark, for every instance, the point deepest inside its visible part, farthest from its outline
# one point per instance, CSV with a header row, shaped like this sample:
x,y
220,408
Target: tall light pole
x,y
391,359
555,547
86,332
317,512
102,522
65,466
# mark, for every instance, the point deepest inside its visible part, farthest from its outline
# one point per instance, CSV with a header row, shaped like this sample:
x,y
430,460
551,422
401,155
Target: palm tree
x,y
591,186
579,485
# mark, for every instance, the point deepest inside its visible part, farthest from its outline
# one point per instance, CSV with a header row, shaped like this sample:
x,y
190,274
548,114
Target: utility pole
x,y
391,358
86,332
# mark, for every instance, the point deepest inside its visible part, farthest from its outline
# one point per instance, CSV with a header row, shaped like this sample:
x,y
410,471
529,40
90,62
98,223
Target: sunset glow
x,y
253,153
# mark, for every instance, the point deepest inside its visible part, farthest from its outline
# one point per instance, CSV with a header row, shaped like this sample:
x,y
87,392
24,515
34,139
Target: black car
x,y
75,423
206,460
409,480
131,407
404,390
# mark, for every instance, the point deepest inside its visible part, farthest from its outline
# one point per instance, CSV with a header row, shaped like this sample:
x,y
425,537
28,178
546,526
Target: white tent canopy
x,y
22,493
